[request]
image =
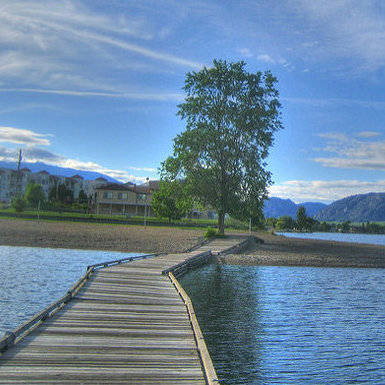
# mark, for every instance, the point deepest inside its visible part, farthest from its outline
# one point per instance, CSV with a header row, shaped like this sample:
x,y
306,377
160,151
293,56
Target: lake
x,y
32,278
375,239
291,325
262,324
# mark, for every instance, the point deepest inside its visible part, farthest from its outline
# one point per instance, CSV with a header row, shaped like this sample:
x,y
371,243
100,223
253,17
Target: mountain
x,y
313,208
277,207
356,208
55,170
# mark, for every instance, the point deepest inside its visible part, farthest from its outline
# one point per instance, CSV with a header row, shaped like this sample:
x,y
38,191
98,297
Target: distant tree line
x,y
59,196
305,223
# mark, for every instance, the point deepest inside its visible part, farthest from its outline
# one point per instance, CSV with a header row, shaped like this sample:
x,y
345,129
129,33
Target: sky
x,y
95,85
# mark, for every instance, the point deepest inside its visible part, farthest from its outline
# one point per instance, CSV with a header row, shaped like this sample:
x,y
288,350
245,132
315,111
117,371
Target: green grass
x,y
191,223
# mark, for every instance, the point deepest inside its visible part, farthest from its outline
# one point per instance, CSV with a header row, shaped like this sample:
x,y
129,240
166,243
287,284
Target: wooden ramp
x,y
128,324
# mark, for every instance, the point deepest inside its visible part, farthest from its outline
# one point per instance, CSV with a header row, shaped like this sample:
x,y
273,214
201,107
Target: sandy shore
x,y
275,250
279,250
97,236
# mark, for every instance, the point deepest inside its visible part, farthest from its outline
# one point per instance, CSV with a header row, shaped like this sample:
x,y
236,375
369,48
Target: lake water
x,y
292,325
33,278
262,324
376,239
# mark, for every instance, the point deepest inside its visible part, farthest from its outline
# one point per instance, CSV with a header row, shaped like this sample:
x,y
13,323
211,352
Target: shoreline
x,y
276,250
85,236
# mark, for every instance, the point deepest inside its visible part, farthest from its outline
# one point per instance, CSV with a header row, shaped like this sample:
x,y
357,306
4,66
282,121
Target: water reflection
x,y
33,278
291,325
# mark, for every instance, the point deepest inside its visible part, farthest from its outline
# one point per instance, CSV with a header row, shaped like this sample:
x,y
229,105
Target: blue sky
x,y
95,84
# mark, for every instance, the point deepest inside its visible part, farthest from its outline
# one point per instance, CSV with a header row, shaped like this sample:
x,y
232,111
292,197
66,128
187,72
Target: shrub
x,y
18,204
210,233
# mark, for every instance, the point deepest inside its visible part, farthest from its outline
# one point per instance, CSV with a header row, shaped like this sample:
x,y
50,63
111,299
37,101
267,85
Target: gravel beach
x,y
278,250
97,236
275,249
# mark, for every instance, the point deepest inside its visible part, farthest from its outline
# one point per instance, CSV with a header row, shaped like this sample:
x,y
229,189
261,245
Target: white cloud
x,y
346,29
266,58
352,153
246,52
165,97
369,134
324,191
33,154
21,136
54,44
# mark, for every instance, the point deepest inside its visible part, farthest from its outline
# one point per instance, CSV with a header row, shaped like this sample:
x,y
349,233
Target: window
x,y
122,196
107,195
142,197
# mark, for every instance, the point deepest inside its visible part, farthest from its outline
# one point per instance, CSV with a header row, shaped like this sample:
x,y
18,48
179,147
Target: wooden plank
x,y
127,325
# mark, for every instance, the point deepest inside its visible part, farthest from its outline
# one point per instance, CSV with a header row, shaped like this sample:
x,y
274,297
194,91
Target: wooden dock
x,y
130,323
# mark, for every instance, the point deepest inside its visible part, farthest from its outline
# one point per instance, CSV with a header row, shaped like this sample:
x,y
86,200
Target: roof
x,y
115,187
149,186
77,176
43,172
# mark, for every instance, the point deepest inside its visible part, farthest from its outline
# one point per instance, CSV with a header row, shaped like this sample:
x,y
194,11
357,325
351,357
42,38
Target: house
x,y
123,199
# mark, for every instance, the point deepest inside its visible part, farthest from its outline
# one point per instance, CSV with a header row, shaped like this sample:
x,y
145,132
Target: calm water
x,y
376,239
292,325
33,278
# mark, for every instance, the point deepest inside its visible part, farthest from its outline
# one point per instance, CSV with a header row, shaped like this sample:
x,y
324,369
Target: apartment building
x,y
14,183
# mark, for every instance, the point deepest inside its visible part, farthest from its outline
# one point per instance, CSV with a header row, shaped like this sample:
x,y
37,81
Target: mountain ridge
x,y
277,207
355,208
57,170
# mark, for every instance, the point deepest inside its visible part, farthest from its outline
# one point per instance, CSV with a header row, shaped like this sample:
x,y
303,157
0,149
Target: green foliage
x,y
301,218
172,200
324,227
82,197
344,227
212,233
285,223
18,204
34,194
64,194
231,116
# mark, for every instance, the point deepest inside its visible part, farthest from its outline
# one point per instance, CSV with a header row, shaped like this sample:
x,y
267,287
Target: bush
x,y
210,233
18,204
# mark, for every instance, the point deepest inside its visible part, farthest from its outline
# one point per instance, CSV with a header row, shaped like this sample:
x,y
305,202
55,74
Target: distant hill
x,y
61,171
357,208
277,207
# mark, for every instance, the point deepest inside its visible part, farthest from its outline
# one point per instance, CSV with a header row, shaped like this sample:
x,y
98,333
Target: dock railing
x,y
10,337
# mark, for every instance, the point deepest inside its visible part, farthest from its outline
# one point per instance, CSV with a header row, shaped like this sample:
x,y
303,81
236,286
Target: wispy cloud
x,y
52,45
22,136
369,134
345,29
352,153
33,154
324,191
174,97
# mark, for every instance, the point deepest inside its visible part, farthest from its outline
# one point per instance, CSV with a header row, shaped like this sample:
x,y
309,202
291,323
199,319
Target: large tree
x,y
34,194
231,116
171,201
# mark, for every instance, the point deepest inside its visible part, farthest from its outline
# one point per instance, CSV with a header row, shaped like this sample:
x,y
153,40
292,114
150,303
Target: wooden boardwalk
x,y
128,324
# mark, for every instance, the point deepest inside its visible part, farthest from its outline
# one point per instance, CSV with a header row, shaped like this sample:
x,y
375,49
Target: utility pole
x,y
18,176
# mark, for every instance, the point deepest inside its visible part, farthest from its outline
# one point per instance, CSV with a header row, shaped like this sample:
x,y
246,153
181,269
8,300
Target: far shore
x,y
277,250
274,250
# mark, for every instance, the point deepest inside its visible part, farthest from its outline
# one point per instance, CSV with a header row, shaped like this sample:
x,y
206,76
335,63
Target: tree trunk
x,y
221,223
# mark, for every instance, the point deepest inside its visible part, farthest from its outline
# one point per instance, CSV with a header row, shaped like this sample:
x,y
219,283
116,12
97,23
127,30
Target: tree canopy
x,y
33,194
171,201
231,116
